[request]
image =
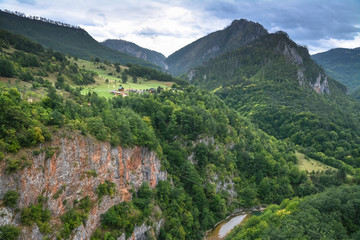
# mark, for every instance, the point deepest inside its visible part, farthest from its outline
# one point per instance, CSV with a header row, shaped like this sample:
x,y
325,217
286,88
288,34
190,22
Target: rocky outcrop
x,y
290,53
144,232
321,84
6,216
69,174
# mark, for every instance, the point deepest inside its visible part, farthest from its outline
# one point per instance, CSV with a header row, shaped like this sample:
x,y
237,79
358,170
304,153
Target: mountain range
x,y
246,109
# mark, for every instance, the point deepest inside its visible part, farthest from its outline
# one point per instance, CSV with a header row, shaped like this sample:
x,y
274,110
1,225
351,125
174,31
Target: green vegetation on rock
x,y
11,198
9,232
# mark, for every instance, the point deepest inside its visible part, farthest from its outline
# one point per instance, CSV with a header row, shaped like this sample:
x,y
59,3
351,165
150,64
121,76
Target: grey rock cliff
x,y
68,168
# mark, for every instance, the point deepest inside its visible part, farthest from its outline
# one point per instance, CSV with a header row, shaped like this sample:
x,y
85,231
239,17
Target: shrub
x,y
71,220
106,188
9,232
6,68
12,165
10,198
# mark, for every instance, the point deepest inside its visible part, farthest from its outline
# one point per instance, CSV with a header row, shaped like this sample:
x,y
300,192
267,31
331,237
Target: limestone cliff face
x,y
69,169
320,84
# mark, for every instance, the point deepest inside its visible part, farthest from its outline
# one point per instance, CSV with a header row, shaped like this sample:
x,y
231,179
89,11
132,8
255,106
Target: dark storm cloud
x,y
303,20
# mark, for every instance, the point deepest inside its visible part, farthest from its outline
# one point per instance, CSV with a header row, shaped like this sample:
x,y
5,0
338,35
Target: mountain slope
x,y
341,64
74,41
65,183
136,51
238,34
276,84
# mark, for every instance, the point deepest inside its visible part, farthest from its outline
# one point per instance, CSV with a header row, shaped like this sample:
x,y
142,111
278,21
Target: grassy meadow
x,y
105,72
309,164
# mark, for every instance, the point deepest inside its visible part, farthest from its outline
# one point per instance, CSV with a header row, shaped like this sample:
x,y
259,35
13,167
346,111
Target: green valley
x,y
275,83
252,123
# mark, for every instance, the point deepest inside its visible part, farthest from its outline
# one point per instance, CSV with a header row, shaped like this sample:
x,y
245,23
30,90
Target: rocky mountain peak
x,y
239,33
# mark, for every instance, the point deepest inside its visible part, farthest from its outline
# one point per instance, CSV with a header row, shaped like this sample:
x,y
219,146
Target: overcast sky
x,y
166,26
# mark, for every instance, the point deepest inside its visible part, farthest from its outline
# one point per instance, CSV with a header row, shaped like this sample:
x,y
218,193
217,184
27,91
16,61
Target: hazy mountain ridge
x,y
136,51
72,40
238,34
342,64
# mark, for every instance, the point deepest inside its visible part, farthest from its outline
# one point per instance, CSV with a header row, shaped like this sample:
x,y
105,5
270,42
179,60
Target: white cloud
x,y
326,44
166,29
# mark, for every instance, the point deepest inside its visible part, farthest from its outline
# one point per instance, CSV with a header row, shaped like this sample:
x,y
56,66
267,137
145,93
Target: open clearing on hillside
x,y
310,164
102,88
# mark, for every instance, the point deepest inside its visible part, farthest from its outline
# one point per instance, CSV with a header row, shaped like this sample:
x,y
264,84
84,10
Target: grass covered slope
x,y
276,84
341,64
69,40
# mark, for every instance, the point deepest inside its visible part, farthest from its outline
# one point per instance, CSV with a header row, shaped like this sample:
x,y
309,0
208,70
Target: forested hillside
x,y
64,38
333,214
217,161
275,83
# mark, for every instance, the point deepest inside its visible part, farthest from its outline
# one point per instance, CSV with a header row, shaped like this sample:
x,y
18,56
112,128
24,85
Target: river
x,y
222,229
225,227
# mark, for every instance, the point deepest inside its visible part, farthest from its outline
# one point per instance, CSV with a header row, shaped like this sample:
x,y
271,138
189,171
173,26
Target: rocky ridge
x,y
320,85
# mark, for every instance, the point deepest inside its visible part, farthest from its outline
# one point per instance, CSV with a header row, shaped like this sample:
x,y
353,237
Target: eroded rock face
x,y
321,84
70,169
6,216
291,53
144,232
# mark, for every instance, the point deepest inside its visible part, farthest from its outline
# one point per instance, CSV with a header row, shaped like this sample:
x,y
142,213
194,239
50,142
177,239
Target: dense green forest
x,y
333,214
216,159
